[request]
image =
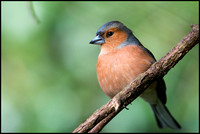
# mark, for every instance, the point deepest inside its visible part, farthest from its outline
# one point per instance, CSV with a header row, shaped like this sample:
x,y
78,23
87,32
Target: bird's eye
x,y
109,34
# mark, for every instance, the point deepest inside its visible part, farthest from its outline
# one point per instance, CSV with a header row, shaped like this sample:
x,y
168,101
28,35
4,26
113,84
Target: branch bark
x,y
102,116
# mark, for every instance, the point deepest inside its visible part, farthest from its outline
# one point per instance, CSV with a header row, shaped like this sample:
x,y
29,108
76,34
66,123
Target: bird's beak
x,y
97,40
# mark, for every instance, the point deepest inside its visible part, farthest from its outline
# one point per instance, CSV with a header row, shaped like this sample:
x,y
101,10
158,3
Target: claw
x,y
126,108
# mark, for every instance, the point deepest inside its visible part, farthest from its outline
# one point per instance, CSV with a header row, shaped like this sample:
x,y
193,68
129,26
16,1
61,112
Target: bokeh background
x,y
48,79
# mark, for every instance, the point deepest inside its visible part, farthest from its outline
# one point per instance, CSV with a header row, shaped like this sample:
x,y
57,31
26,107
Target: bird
x,y
122,57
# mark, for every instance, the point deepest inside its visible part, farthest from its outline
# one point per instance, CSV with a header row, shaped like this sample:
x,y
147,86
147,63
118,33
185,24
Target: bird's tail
x,y
163,117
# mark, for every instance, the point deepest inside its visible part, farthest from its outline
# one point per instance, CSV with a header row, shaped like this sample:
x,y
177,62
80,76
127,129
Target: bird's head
x,y
112,35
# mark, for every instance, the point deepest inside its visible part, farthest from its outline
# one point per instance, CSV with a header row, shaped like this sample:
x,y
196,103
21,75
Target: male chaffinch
x,y
121,59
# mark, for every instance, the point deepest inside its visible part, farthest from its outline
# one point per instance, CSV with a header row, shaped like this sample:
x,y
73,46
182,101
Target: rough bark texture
x,y
102,116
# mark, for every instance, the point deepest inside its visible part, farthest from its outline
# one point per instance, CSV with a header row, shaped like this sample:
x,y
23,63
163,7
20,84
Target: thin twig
x,y
34,13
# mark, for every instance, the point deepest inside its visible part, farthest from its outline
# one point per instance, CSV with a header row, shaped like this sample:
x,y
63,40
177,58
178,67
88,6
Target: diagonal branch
x,y
159,69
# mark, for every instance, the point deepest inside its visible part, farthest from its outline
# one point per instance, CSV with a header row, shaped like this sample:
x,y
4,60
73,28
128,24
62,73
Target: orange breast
x,y
117,69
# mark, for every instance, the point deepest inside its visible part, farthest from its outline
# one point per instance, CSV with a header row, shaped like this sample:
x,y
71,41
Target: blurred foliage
x,y
48,69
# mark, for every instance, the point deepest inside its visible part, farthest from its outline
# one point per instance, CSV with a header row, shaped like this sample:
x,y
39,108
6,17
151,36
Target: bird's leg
x,y
116,103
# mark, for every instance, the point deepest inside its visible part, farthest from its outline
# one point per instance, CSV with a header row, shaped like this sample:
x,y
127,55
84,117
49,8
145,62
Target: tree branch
x,y
102,116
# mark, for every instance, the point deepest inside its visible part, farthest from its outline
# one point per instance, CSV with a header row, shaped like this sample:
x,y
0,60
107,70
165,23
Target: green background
x,y
49,81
